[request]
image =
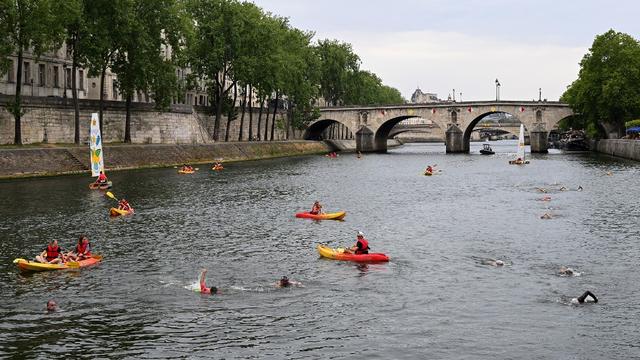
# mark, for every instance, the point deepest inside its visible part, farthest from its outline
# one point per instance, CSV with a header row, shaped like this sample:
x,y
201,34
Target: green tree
x,y
146,47
26,25
608,84
366,88
338,62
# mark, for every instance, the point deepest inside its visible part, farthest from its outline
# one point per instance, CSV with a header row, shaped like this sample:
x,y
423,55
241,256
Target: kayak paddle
x,y
110,194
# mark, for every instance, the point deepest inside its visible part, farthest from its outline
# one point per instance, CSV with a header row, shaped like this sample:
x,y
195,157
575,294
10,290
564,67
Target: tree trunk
x,y
273,120
244,106
250,114
231,111
259,136
288,122
266,120
17,106
216,123
101,104
74,92
127,121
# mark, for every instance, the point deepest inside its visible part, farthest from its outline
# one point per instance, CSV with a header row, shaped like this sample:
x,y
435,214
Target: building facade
x,y
419,97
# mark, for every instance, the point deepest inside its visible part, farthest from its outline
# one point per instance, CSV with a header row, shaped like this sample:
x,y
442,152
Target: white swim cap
x,y
360,233
499,262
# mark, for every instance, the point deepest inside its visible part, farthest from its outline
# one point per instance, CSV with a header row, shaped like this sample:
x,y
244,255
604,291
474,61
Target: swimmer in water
x,y
563,189
492,262
542,190
51,306
546,216
546,198
203,287
587,297
579,188
285,282
567,271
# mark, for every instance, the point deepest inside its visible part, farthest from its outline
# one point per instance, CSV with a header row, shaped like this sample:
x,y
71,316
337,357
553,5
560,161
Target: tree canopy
x,y
608,86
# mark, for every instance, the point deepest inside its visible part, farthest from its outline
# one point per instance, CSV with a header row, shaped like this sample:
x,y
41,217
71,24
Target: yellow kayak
x,y
186,171
328,216
340,254
113,212
26,265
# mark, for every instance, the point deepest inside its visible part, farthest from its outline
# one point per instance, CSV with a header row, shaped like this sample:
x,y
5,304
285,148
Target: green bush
x,y
632,123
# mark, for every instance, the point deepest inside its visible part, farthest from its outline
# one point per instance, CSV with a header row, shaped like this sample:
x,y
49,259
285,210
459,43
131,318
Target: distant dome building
x,y
419,97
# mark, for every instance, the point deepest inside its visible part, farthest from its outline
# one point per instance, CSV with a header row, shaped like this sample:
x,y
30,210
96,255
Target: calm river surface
x,y
435,299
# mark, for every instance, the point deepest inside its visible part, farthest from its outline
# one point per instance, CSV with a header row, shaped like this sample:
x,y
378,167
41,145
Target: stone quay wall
x,y
629,149
51,120
41,161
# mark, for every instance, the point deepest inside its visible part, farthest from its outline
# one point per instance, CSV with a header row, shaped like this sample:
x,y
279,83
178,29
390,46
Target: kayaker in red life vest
x,y
124,205
51,255
316,208
81,251
361,246
203,286
102,178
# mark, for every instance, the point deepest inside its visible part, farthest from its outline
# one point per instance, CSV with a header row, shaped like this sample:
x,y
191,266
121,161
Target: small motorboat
x,y
486,150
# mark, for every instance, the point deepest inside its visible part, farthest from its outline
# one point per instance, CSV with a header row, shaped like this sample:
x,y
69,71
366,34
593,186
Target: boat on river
x,y
520,154
26,265
340,254
486,150
327,216
114,212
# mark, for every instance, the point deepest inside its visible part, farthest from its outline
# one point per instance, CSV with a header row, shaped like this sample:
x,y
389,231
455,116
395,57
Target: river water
x,y
435,299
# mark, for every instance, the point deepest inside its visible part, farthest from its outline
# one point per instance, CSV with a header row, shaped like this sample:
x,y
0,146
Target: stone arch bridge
x,y
372,125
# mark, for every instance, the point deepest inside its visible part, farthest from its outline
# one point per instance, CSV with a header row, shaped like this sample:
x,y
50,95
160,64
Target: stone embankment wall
x,y
629,149
51,120
26,162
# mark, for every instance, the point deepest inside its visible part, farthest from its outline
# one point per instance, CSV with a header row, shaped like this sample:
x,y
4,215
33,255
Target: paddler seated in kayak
x,y
124,205
186,167
203,286
52,254
316,208
361,246
102,178
81,251
429,170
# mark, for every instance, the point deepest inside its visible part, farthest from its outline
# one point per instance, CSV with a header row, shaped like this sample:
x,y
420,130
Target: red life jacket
x,y
364,246
82,248
52,252
102,177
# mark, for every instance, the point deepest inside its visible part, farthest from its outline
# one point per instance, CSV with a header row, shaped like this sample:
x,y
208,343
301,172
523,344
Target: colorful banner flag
x,y
95,146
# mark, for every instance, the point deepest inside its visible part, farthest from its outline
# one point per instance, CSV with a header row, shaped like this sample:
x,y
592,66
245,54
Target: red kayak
x,y
339,254
329,216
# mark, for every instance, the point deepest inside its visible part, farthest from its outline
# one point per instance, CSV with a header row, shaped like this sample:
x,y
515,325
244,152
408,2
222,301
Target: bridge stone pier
x,y
373,124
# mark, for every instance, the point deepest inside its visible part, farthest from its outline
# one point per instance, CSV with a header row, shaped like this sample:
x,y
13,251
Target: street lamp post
x,y
454,95
497,90
540,94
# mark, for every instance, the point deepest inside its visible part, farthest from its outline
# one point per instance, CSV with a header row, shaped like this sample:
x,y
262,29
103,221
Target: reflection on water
x,y
435,296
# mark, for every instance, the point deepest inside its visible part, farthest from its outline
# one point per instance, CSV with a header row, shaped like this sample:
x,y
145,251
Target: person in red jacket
x,y
203,286
124,205
52,254
316,208
102,178
81,251
361,246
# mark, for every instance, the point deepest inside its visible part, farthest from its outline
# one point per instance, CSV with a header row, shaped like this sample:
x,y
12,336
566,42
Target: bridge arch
x,y
466,136
316,130
382,134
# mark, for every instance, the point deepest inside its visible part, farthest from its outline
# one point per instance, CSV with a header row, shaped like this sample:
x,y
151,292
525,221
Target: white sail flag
x,y
521,143
95,144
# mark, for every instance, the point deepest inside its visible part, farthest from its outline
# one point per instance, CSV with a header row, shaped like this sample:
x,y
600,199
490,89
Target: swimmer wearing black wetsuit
x,y
584,298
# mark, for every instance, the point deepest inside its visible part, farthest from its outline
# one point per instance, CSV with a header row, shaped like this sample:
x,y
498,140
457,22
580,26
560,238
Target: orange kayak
x,y
340,254
26,265
328,216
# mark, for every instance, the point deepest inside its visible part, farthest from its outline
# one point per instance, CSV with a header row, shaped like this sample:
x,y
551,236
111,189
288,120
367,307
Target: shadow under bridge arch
x,y
494,120
327,129
382,134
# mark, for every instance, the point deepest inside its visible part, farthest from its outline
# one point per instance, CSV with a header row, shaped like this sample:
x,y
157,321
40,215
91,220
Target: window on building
x,y
68,77
26,73
41,75
201,100
81,78
56,77
10,74
115,91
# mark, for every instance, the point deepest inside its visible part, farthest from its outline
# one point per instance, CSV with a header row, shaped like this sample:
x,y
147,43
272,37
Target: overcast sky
x,y
440,45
